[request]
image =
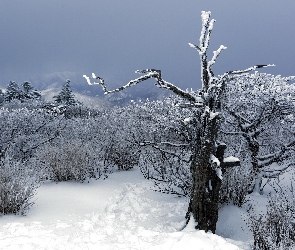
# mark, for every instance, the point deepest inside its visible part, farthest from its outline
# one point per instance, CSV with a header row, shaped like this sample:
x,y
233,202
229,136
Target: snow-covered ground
x,y
121,212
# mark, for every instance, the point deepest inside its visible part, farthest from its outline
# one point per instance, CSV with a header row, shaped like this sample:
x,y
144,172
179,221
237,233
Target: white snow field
x,y
121,212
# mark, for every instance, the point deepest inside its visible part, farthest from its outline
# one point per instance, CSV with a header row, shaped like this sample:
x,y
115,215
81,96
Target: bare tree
x,y
207,163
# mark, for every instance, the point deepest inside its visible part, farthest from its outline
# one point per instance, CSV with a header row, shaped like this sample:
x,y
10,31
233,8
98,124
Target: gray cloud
x,y
114,38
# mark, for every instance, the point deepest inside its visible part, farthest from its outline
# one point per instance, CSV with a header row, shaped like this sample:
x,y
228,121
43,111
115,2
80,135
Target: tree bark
x,y
204,198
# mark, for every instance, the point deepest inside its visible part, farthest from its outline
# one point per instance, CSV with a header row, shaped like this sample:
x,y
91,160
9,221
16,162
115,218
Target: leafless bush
x,y
275,230
17,187
124,157
170,174
235,185
72,161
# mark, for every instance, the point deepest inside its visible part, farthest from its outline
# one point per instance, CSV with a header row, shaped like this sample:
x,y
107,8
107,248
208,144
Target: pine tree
x,y
1,96
29,92
66,95
13,91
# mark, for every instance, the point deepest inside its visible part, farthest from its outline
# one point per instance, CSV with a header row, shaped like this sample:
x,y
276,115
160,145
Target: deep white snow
x,y
121,212
231,159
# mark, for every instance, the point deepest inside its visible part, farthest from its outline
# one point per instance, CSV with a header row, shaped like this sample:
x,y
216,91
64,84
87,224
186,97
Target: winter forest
x,y
208,168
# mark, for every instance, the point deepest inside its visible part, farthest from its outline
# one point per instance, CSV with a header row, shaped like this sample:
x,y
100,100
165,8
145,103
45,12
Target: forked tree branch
x,y
149,73
156,74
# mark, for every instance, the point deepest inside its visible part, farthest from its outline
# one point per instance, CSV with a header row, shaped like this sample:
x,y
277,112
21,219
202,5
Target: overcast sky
x,y
113,38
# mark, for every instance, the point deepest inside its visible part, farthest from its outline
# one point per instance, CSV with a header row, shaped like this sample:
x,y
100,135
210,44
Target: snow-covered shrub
x,y
121,156
275,229
71,161
235,185
18,185
169,174
91,144
24,130
259,113
79,111
71,111
163,138
119,136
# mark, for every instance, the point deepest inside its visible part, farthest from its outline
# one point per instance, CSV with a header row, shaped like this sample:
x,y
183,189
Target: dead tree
x,y
207,153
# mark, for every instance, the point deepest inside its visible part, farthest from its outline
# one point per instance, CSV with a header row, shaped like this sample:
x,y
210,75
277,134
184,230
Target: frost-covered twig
x,y
213,60
155,146
202,48
149,73
174,144
232,132
277,156
235,72
241,120
274,173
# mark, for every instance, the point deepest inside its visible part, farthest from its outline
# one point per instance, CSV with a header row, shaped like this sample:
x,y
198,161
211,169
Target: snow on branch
x,y
236,72
215,55
274,173
239,117
209,31
174,144
156,146
267,160
207,27
194,46
149,143
232,132
215,164
149,73
207,76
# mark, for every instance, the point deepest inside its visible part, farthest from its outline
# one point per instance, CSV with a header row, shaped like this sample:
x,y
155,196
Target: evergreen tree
x,y
29,92
13,91
1,96
66,95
